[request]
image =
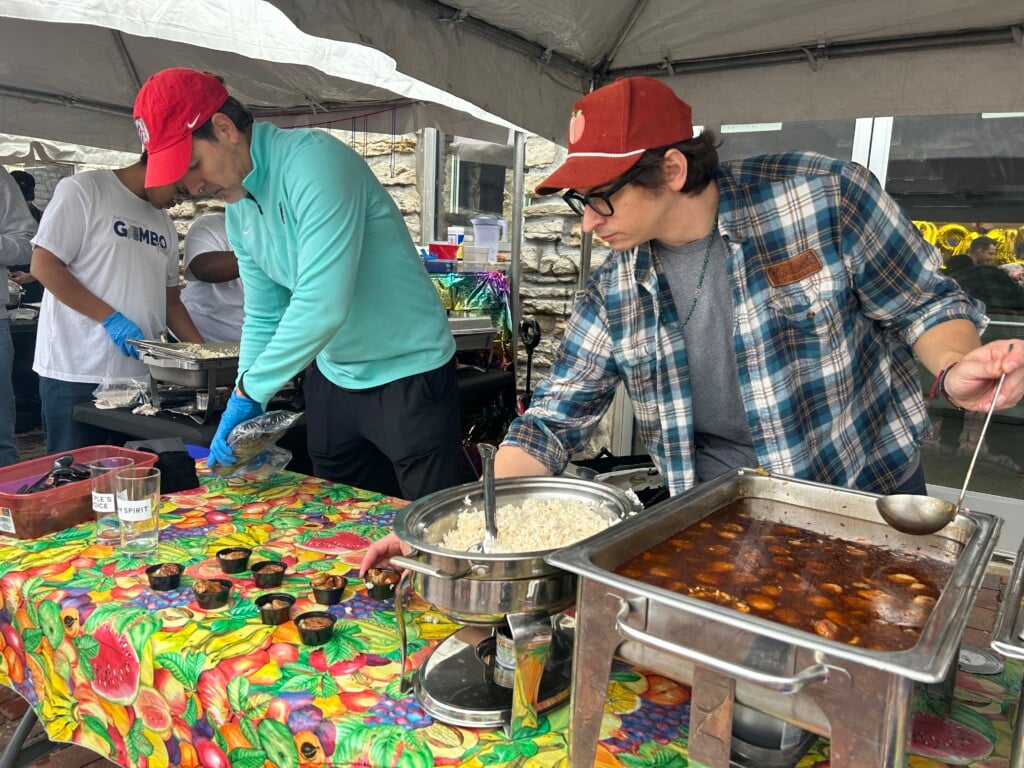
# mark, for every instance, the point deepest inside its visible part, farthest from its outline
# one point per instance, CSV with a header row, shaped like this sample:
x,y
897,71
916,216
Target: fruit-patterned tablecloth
x,y
150,679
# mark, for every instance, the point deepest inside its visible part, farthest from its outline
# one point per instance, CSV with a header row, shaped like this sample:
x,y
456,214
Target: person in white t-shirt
x,y
213,291
108,257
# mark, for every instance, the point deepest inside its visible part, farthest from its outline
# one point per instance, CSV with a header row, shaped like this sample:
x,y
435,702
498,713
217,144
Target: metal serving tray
x,y
203,374
1008,639
172,364
188,350
857,697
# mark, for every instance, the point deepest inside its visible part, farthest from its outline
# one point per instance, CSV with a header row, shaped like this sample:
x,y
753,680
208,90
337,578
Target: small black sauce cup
x,y
210,600
318,636
330,596
268,573
163,583
233,564
275,615
382,590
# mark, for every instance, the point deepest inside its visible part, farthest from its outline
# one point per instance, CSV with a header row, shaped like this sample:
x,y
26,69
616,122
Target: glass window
x,y
960,178
829,137
478,181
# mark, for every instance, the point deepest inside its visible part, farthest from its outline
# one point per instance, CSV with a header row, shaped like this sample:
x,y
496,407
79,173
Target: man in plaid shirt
x,y
763,312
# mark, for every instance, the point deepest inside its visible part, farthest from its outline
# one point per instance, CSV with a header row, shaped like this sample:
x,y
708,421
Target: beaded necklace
x,y
703,271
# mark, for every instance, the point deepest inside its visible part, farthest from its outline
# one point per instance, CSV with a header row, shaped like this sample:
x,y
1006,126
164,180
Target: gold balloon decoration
x,y
953,238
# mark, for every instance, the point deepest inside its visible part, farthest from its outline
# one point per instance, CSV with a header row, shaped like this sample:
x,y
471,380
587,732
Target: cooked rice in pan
x,y
535,525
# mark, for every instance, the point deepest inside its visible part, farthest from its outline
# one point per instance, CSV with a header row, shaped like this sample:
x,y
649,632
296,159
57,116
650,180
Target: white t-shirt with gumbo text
x,y
121,249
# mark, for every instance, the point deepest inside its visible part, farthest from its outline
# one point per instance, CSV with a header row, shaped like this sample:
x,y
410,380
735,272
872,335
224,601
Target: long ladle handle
x,y
487,452
981,439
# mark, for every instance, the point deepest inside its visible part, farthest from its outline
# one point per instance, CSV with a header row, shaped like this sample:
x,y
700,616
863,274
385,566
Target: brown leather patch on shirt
x,y
792,270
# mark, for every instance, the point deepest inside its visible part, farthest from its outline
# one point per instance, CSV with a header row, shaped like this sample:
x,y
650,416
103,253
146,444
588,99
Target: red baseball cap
x,y
169,107
613,126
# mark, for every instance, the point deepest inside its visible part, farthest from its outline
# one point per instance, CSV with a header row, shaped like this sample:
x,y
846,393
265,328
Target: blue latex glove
x,y
120,329
238,409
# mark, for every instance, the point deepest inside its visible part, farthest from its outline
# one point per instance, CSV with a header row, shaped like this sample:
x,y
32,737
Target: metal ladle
x,y
487,452
916,514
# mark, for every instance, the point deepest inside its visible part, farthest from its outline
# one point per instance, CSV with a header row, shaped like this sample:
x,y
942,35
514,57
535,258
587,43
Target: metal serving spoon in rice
x,y
487,453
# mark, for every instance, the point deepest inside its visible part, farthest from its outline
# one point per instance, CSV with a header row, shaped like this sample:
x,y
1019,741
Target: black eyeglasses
x,y
600,202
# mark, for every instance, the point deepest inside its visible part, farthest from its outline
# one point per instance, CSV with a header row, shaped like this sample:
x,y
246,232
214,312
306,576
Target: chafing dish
x,y
859,698
515,596
1008,639
479,588
204,367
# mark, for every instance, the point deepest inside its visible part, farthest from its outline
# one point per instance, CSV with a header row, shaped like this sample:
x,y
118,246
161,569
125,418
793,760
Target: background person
x,y
16,229
331,278
32,291
985,281
982,250
213,292
27,184
762,312
107,253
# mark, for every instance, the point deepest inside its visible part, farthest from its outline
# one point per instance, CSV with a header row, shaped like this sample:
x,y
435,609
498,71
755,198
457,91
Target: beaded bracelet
x,y
939,388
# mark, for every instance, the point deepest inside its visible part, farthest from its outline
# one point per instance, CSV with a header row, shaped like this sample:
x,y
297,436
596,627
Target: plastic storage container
x,y
31,515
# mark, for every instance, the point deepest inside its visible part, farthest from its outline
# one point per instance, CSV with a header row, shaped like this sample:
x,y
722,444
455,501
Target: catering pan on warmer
x,y
857,696
205,366
1008,639
478,588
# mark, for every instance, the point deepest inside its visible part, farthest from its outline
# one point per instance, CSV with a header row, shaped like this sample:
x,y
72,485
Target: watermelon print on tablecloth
x,y
333,542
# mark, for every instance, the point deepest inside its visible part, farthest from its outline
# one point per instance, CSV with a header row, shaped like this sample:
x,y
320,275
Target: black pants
x,y
401,439
915,483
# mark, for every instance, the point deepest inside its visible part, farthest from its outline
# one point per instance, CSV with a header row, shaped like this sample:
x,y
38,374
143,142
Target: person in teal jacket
x,y
332,281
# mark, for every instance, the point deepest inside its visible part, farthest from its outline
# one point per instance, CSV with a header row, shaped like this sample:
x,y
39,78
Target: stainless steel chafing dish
x,y
204,367
1008,639
517,592
858,698
478,588
190,365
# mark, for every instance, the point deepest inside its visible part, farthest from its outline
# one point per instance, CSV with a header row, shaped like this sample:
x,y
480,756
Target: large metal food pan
x,y
469,340
214,350
478,587
1008,632
217,372
424,523
849,515
1008,639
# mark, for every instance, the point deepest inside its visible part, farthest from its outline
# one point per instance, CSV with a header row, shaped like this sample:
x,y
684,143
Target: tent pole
x,y
516,267
431,182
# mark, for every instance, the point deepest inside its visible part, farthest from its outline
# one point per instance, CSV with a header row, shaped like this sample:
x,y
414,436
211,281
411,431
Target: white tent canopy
x,y
70,70
735,61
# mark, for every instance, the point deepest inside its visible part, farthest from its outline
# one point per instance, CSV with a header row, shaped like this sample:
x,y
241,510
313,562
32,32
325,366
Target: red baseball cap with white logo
x,y
613,126
169,107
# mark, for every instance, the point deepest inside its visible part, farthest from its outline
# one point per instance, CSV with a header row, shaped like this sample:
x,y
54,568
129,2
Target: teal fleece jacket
x,y
329,269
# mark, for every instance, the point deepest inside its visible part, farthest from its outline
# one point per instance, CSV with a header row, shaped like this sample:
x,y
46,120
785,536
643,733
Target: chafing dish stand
x,y
1008,639
512,662
181,364
859,699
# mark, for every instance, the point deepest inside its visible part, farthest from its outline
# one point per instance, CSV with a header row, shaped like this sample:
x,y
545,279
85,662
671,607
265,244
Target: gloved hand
x,y
238,409
120,329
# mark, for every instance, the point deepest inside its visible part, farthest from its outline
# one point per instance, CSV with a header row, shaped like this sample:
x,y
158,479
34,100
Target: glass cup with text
x,y
137,497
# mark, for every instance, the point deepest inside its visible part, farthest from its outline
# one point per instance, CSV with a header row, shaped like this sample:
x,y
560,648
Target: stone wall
x,y
552,237
392,161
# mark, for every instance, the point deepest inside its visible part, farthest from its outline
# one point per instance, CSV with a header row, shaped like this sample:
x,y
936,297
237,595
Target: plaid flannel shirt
x,y
824,354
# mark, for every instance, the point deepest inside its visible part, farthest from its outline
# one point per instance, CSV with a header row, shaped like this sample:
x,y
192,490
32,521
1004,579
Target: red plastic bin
x,y
31,515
